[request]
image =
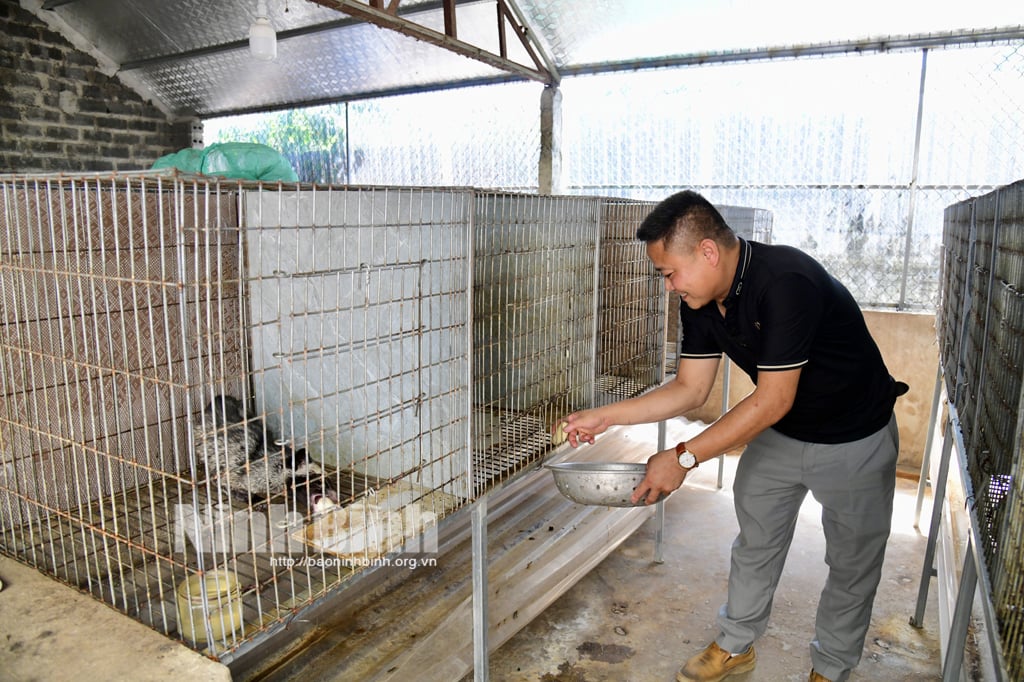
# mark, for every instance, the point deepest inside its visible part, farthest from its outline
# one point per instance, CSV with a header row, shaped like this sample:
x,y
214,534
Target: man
x,y
820,418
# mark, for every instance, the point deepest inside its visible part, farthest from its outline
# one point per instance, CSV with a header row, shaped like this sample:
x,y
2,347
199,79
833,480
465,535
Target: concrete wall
x,y
908,344
59,112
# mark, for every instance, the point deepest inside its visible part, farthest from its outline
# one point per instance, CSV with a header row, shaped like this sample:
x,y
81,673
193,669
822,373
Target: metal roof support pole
x,y
908,243
550,166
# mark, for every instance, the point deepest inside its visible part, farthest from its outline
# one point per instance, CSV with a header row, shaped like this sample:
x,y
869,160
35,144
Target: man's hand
x,y
664,475
581,427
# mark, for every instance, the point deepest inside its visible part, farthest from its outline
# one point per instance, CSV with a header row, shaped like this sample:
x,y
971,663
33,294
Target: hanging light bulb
x,y
262,37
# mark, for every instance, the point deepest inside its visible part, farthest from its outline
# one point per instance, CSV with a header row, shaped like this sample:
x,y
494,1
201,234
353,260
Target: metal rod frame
x,y
659,513
480,621
974,578
726,374
922,481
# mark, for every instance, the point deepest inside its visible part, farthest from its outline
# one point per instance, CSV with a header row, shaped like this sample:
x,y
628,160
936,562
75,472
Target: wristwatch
x,y
687,460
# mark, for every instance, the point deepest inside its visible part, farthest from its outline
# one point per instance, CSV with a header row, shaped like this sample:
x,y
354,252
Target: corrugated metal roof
x,y
191,56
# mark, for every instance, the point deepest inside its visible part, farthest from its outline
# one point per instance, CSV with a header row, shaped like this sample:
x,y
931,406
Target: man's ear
x,y
709,250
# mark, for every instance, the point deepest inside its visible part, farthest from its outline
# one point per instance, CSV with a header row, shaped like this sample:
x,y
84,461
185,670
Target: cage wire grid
x,y
632,307
219,401
133,302
981,335
534,324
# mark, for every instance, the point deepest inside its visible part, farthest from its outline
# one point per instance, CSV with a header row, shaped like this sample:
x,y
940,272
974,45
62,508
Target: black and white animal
x,y
249,461
226,437
313,494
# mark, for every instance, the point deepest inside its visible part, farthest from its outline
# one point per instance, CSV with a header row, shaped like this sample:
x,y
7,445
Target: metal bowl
x,y
606,484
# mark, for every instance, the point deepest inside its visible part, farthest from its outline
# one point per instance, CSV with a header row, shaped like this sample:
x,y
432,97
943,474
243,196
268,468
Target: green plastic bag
x,y
234,160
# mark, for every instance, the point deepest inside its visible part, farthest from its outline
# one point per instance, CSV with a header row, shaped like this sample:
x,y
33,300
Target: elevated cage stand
x,y
974,578
980,325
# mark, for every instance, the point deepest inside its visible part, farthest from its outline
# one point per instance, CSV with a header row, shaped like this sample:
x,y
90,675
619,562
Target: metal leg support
x,y
928,569
922,482
961,618
480,624
659,533
726,372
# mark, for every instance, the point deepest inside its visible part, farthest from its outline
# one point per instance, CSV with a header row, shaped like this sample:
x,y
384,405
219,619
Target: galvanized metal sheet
x,y
191,54
132,30
317,67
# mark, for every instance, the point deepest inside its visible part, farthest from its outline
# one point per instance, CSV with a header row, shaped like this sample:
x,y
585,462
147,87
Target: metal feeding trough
x,y
606,484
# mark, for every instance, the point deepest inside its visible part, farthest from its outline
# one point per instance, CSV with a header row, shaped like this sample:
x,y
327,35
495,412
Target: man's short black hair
x,y
685,215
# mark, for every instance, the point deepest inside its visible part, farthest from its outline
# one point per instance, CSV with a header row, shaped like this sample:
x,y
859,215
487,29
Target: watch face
x,y
687,460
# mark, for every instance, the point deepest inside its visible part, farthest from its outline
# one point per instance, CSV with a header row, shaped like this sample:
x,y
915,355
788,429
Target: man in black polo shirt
x,y
820,418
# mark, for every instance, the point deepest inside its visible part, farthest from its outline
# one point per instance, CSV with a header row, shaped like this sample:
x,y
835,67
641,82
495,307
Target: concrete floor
x,y
51,632
631,619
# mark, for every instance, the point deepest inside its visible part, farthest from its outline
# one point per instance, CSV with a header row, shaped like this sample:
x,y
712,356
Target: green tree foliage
x,y
312,139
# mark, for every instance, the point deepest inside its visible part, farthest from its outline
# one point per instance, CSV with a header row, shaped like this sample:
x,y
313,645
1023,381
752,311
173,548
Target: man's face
x,y
687,271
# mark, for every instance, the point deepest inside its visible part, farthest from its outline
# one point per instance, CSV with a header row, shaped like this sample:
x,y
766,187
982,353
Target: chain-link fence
x,y
856,156
482,137
829,145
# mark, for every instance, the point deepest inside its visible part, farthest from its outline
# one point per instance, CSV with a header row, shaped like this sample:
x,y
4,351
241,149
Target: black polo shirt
x,y
785,311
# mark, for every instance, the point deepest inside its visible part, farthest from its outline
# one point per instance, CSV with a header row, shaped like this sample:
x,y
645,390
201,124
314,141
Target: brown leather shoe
x,y
817,677
715,663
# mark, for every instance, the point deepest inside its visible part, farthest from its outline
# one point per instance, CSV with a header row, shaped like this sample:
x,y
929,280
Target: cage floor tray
x,y
380,522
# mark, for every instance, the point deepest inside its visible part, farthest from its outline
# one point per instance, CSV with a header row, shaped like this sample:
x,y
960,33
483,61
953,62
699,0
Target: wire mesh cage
x,y
567,313
534,325
359,310
981,333
975,340
220,401
949,318
632,307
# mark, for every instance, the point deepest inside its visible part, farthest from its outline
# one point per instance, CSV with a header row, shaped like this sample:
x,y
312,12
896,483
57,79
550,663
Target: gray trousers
x,y
854,483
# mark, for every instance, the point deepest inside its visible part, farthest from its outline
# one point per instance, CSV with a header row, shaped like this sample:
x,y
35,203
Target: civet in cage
x,y
248,462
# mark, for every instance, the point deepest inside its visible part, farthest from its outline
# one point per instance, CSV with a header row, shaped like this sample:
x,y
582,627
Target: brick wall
x,y
58,112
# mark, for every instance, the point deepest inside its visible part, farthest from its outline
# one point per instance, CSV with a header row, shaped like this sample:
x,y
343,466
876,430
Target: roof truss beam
x,y
384,13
